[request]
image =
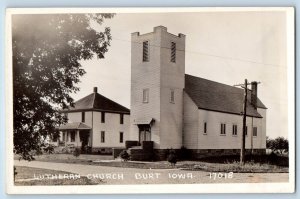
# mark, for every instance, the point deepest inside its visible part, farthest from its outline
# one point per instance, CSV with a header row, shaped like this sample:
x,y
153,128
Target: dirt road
x,y
117,175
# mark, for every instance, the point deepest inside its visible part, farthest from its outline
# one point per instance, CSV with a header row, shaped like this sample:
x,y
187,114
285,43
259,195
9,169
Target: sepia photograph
x,y
199,100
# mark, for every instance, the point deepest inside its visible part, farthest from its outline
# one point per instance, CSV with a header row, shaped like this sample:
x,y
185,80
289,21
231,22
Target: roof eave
x,y
228,112
93,109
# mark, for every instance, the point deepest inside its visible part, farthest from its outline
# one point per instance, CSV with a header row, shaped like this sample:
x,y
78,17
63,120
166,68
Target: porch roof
x,y
141,121
74,125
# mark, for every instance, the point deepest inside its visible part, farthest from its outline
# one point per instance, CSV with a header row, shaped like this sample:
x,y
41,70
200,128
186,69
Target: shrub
x,y
279,144
172,157
49,149
124,155
76,152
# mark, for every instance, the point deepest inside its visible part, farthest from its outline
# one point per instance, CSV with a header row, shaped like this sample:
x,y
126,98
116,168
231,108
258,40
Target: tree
x,y
46,54
279,144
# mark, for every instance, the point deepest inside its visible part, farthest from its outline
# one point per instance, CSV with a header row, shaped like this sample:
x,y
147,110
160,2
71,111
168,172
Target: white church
x,y
169,109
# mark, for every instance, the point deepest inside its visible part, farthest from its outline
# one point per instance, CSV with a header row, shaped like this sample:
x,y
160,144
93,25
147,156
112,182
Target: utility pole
x,y
243,137
242,154
242,157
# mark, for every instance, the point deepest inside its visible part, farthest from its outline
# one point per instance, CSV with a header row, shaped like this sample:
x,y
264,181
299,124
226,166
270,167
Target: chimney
x,y
254,94
95,90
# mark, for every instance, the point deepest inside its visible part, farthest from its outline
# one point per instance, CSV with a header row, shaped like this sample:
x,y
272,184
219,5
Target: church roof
x,y
97,102
214,96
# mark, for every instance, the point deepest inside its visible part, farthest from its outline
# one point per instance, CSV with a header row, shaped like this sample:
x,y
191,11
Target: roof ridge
x,y
213,81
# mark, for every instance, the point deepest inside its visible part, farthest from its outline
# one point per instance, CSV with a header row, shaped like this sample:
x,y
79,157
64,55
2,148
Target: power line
x,y
211,55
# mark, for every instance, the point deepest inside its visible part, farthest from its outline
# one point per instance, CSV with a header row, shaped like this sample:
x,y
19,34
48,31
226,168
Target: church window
x,y
223,129
145,95
145,51
173,52
172,96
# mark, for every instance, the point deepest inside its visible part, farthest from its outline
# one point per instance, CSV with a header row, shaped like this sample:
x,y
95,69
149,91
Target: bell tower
x,y
157,83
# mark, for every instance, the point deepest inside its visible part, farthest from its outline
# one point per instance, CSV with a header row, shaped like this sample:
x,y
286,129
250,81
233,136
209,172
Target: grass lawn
x,y
25,177
216,164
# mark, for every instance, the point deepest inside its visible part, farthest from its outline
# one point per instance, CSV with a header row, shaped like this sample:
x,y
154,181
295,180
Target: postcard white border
x,y
288,187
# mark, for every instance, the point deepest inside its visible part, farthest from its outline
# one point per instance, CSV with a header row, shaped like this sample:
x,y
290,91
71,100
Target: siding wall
x,y
145,75
194,137
112,128
158,75
263,113
172,78
190,123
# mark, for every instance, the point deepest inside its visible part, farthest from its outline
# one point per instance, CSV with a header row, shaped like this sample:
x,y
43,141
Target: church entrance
x,y
144,133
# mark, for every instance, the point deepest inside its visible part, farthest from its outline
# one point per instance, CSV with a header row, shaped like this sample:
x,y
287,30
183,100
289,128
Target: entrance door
x,y
84,138
144,133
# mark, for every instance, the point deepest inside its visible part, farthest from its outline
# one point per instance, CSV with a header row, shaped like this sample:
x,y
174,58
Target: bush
x,y
49,149
278,145
172,158
77,152
124,155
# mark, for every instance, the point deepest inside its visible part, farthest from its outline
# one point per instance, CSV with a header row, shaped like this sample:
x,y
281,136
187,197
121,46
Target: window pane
x,y
172,96
83,117
102,117
173,52
121,119
146,95
121,137
254,131
102,136
145,51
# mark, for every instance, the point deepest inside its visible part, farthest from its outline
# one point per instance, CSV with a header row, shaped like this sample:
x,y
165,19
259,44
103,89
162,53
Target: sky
x,y
225,47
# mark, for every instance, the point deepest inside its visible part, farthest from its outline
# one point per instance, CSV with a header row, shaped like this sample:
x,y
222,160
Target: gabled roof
x,y
73,126
214,96
97,102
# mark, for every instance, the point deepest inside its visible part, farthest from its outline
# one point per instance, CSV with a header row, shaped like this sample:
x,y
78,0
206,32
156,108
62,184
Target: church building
x,y
174,110
169,109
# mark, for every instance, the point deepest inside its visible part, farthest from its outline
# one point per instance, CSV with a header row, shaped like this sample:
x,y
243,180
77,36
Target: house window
x,y
102,117
121,118
173,52
145,95
83,117
234,129
223,129
121,137
73,133
145,51
172,96
205,128
102,136
254,131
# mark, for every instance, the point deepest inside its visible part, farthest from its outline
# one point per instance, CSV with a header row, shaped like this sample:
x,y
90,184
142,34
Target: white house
x,y
97,122
174,109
